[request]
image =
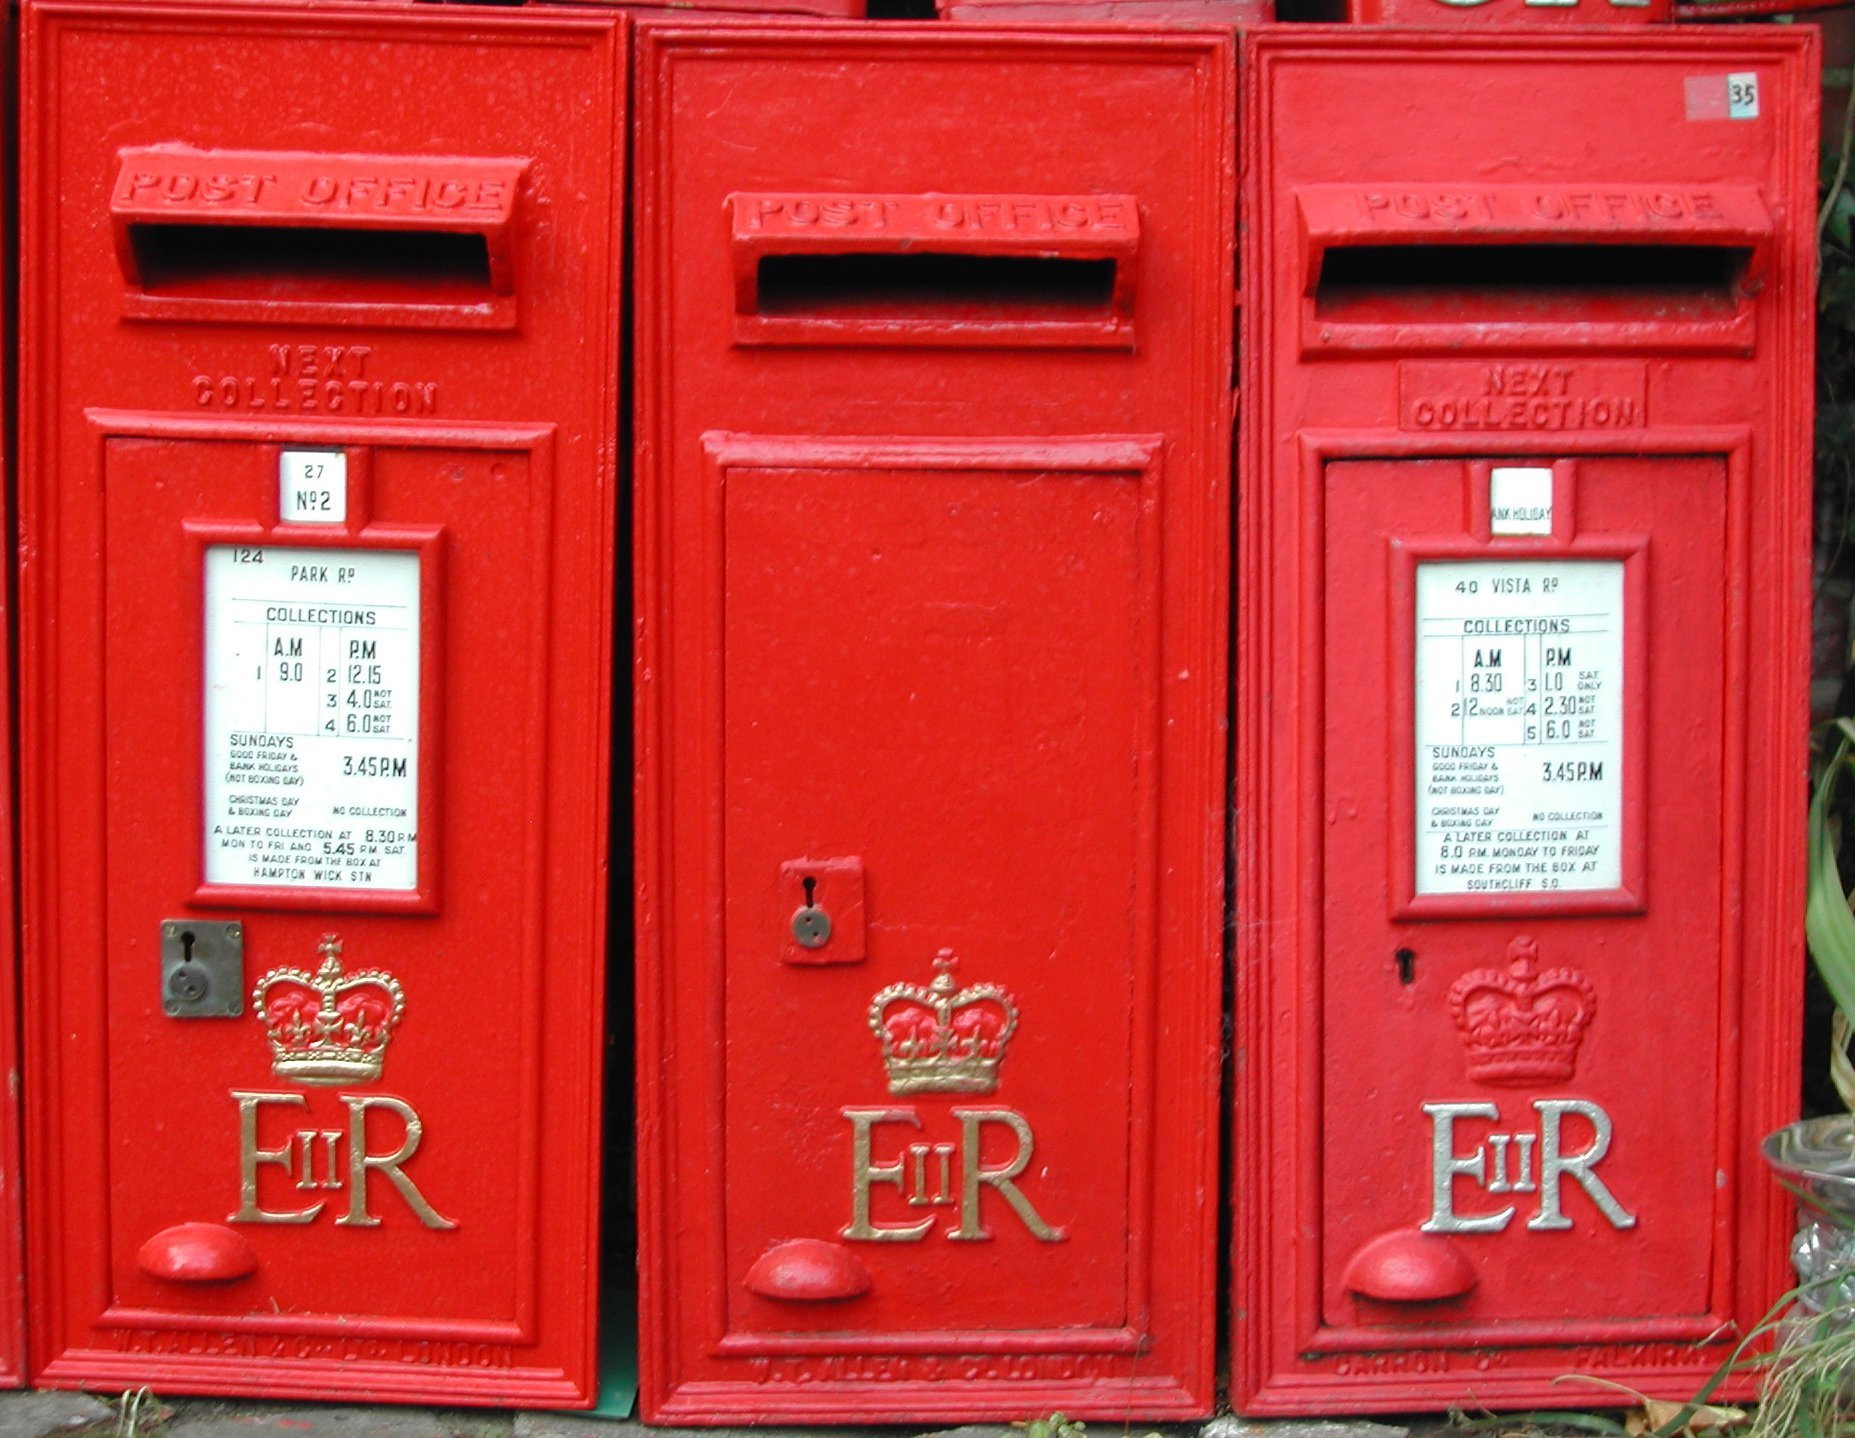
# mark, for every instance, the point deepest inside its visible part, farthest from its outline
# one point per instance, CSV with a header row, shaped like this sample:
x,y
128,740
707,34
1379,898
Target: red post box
x,y
319,406
931,511
1522,705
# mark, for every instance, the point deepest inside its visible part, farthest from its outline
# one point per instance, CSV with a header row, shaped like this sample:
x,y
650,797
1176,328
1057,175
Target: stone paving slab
x,y
579,1425
305,1420
1232,1426
43,1414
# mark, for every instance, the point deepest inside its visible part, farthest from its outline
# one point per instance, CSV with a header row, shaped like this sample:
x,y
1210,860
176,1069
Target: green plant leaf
x,y
1841,212
1828,924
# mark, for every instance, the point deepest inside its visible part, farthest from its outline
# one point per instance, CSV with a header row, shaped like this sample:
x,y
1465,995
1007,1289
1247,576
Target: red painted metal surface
x,y
12,1278
931,520
1747,9
317,504
1521,707
726,10
1508,14
1242,13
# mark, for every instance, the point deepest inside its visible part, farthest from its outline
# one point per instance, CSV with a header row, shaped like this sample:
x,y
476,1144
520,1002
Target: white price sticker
x,y
1742,96
312,717
1519,726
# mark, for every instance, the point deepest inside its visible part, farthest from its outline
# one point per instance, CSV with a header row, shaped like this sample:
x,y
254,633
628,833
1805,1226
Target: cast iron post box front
x,y
930,510
1522,708
317,504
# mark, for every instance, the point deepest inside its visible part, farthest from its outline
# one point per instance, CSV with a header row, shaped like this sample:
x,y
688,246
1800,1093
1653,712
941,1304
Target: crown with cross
x,y
328,1027
1523,1026
940,1038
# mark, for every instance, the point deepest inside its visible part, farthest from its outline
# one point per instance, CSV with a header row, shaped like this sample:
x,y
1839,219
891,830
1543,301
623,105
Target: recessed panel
x,y
1484,1109
977,731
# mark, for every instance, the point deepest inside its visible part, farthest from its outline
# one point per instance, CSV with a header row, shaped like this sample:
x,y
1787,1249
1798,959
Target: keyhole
x,y
811,925
1407,965
187,982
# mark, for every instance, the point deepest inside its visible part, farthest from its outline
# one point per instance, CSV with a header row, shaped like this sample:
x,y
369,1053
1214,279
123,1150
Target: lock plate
x,y
202,968
821,911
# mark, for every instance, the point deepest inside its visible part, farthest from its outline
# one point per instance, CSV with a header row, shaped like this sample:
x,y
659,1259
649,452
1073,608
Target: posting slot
x,y
935,269
256,237
1557,282
1409,269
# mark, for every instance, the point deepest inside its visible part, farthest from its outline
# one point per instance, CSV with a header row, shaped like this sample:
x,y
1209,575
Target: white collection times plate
x,y
312,717
1519,726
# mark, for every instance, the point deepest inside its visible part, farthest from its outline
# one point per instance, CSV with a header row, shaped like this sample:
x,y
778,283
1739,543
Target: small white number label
x,y
312,486
1520,499
1742,96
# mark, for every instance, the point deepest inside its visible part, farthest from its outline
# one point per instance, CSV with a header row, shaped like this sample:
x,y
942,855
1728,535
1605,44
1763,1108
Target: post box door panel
x,y
1549,926
889,618
326,678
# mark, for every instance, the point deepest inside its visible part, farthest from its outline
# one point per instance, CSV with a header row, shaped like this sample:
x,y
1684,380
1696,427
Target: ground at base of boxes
x,y
36,1414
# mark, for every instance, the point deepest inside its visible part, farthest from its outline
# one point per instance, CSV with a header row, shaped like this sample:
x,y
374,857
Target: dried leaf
x,y
1657,1413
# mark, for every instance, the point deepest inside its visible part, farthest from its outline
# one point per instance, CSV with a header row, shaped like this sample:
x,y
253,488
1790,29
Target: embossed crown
x,y
1523,1026
328,1027
940,1038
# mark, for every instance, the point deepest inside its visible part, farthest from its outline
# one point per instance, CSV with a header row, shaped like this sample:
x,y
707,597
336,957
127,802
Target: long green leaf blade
x,y
1828,924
